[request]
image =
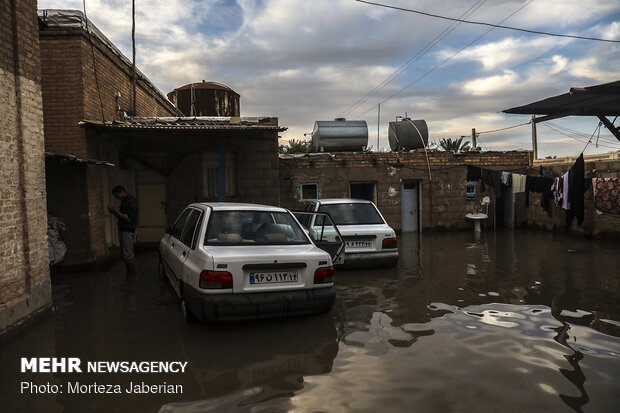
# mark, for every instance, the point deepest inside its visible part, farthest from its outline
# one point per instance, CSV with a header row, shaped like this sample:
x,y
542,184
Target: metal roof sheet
x,y
599,100
189,123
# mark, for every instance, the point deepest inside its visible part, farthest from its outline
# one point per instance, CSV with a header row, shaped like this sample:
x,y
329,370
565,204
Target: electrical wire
x,y
506,128
92,50
446,60
583,134
498,26
413,59
581,140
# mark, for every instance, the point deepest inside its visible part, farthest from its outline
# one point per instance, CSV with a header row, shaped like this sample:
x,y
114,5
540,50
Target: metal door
x,y
410,206
151,194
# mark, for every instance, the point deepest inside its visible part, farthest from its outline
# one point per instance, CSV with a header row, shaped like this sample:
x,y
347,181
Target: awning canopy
x,y
65,157
600,101
160,143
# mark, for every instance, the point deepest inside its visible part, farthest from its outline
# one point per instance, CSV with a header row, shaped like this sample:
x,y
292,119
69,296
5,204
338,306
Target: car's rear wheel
x,y
185,310
161,270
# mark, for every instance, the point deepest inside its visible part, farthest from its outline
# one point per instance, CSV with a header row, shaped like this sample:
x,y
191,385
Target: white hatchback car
x,y
242,261
369,240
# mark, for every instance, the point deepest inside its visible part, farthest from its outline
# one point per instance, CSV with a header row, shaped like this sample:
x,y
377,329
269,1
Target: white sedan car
x,y
369,240
241,261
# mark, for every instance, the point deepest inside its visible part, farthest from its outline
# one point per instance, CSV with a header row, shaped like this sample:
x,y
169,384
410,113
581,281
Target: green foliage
x,y
296,146
454,146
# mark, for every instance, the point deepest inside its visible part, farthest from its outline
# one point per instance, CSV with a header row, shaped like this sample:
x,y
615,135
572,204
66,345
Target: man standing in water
x,y
127,221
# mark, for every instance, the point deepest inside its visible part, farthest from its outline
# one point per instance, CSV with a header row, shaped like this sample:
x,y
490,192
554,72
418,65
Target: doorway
x,y
410,203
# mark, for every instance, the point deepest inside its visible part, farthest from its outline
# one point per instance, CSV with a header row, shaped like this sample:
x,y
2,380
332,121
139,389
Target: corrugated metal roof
x,y
189,123
72,158
599,100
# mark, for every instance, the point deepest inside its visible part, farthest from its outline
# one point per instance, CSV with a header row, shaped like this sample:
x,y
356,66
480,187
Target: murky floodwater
x,y
514,322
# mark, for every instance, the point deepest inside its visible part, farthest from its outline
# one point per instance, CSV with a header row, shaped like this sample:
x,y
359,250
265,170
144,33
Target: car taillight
x,y
215,279
324,275
390,243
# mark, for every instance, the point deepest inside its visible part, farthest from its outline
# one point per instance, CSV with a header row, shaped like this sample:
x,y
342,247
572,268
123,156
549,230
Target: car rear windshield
x,y
352,213
253,228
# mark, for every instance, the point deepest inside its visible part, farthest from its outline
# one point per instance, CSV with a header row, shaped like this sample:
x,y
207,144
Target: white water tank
x,y
340,135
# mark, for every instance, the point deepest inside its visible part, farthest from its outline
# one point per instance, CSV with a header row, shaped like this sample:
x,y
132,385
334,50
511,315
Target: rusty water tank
x,y
208,98
340,135
407,134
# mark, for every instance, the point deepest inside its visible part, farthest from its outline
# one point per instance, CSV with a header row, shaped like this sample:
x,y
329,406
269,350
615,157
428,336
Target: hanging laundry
x,y
607,195
556,192
565,202
576,190
541,185
473,173
518,183
506,178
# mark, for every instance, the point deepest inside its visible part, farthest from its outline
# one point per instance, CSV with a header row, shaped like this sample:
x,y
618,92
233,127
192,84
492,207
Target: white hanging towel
x,y
518,183
565,203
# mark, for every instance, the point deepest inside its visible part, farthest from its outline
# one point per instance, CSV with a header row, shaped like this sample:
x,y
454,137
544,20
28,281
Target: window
x,y
180,223
363,190
211,165
309,191
190,228
352,213
253,228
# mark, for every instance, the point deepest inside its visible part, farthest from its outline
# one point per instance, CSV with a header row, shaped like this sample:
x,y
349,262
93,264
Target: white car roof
x,y
343,201
238,206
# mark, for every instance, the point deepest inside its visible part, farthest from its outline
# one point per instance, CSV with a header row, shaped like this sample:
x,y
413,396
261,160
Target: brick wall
x,y
256,171
443,203
71,93
24,280
594,224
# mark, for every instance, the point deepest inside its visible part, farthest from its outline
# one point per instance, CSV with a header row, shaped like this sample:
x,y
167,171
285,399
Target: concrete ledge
x,y
16,312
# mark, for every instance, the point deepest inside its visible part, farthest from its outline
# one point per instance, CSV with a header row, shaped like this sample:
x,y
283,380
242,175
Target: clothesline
x,y
567,191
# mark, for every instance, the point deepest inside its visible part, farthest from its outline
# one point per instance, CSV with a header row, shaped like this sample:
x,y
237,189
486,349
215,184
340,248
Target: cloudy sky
x,y
307,60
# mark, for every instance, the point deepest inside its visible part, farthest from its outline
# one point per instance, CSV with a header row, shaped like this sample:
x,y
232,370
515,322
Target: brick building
x,y
24,277
401,185
94,141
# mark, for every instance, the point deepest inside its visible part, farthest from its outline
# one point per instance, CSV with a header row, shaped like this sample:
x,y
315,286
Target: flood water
x,y
513,322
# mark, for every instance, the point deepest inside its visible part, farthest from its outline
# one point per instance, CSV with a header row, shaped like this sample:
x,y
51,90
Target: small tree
x,y
454,146
296,146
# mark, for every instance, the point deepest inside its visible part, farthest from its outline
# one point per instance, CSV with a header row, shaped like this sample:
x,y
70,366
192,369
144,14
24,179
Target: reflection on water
x,y
523,321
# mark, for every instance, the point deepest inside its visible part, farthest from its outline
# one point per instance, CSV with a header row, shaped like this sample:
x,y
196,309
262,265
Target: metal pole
x,y
473,138
534,138
133,46
378,123
221,184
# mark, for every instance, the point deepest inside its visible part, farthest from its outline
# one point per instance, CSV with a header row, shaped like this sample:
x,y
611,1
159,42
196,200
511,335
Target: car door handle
x,y
184,253
172,245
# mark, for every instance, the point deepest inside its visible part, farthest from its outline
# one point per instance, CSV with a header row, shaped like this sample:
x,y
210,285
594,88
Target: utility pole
x,y
534,138
473,138
378,123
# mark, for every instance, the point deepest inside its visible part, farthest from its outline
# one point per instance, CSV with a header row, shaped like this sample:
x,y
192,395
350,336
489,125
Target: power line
x,y
506,128
413,59
448,59
489,24
580,140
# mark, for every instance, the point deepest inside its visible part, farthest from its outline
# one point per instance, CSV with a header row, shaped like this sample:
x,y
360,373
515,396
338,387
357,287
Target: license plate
x,y
358,244
273,277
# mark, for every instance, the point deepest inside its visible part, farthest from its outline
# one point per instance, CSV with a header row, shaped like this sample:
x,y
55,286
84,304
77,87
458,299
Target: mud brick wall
x,y
594,224
71,93
257,175
24,273
443,204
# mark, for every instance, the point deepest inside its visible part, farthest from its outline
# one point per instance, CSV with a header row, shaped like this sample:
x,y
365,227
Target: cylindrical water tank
x,y
206,99
340,135
408,134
